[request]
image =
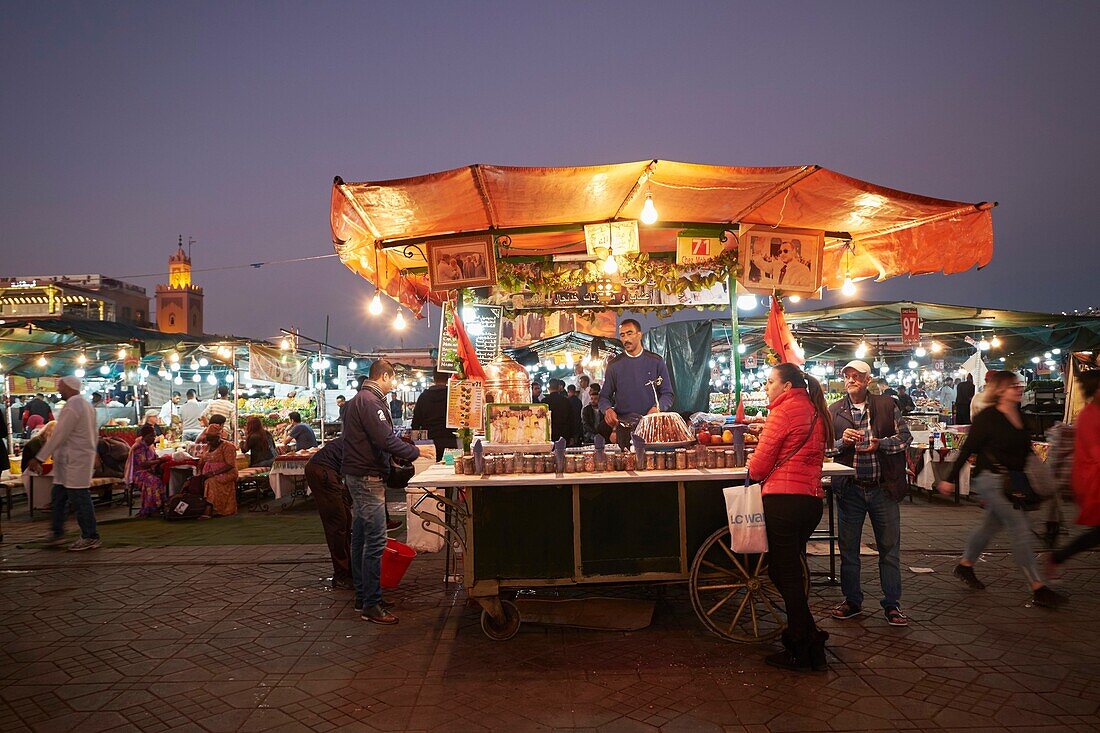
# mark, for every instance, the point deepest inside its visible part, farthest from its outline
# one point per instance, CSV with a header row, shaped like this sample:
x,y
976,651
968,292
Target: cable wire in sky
x,y
255,265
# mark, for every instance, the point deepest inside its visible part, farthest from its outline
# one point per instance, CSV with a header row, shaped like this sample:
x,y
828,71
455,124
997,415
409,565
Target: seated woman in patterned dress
x,y
143,470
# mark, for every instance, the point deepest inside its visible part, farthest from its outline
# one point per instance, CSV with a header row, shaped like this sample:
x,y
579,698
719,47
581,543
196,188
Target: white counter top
x,y
442,475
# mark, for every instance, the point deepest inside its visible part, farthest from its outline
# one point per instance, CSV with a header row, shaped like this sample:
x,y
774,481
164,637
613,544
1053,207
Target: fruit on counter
x,y
727,437
750,439
704,437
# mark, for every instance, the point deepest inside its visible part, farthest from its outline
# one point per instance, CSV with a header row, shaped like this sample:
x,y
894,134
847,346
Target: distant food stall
x,y
562,250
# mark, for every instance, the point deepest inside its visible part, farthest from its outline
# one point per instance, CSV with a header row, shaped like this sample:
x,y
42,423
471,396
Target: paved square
x,y
250,638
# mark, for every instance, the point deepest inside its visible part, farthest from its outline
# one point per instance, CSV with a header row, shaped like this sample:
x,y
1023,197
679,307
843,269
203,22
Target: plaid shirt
x,y
867,465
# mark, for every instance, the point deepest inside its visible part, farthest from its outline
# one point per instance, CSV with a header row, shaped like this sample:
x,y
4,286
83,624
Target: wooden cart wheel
x,y
732,594
504,629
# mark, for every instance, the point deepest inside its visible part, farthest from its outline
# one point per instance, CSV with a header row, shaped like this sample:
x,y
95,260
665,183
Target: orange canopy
x,y
543,211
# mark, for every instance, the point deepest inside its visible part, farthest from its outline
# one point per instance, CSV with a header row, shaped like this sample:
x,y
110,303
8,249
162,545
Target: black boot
x,y
817,651
795,655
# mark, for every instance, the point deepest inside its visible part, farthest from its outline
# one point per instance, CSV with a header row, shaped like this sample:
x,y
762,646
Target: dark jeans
x,y
854,504
334,506
368,537
790,519
81,499
1086,541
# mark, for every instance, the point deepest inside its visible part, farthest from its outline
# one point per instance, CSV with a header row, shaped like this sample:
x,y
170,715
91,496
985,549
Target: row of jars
x,y
593,462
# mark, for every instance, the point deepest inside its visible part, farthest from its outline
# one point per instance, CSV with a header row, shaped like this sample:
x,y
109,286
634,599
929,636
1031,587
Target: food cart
x,y
558,246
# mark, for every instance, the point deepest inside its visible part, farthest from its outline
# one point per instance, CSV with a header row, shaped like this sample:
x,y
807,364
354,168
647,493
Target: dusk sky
x,y
127,124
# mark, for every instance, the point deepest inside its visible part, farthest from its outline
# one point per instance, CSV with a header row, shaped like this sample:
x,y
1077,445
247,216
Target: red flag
x,y
778,336
466,352
740,417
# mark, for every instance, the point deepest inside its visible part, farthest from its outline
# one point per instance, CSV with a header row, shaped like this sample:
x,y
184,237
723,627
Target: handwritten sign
x,y
482,322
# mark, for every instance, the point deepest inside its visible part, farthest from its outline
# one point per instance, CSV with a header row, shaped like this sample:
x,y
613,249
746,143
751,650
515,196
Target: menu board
x,y
465,403
482,324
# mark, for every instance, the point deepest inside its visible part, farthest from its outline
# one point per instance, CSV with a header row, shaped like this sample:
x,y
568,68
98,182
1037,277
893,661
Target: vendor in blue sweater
x,y
626,392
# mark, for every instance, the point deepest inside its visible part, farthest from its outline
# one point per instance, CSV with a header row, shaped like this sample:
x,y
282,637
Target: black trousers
x,y
334,505
1086,541
790,519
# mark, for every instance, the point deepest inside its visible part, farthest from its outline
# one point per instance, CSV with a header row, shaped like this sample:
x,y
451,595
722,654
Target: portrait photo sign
x,y
462,262
517,423
780,260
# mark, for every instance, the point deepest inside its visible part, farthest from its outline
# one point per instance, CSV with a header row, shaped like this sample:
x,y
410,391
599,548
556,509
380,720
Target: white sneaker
x,y
83,544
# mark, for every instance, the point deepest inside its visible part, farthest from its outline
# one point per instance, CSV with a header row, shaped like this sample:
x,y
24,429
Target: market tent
x,y
62,340
833,333
870,230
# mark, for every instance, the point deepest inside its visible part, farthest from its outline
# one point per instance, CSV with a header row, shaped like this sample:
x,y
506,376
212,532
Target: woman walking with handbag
x,y
998,439
788,461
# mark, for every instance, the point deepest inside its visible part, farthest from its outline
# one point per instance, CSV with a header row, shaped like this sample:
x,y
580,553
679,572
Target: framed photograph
x,y
464,262
780,260
513,423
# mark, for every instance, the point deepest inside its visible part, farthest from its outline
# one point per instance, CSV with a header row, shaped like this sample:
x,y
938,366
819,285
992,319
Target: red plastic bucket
x,y
395,561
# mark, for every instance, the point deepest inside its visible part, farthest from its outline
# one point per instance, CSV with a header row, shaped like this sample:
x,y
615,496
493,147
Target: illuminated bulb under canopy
x,y
848,288
105,369
41,361
375,306
937,347
399,321
82,360
995,342
795,298
649,211
983,345
178,380
284,345
353,365
79,374
122,353
610,266
746,302
921,352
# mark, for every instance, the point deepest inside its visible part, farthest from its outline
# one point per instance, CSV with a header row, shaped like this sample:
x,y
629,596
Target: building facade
x,y
89,296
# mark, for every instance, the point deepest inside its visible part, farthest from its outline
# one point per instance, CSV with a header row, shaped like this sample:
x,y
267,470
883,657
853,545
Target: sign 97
x,y
910,326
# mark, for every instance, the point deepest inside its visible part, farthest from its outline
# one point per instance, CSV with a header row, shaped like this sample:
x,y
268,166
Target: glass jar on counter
x,y
629,461
692,459
590,462
681,459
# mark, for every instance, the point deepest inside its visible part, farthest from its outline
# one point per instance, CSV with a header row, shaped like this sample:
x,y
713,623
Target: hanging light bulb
x,y
174,367
82,360
746,302
211,378
105,369
937,347
649,211
995,342
177,380
610,266
41,361
375,306
983,345
795,298
353,365
848,288
399,321
862,349
284,344
229,377
174,357
163,373
194,363
196,378
122,353
204,362
921,352
912,364
1056,352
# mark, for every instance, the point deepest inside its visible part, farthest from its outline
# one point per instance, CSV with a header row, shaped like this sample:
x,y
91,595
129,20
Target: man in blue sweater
x,y
629,384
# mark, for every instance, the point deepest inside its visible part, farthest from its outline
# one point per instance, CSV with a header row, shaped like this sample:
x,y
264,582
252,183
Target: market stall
x,y
562,250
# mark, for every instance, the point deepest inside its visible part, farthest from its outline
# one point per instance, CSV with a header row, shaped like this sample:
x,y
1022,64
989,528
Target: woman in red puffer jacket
x,y
788,462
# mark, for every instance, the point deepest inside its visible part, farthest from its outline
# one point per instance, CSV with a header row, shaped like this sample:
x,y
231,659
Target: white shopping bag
x,y
745,511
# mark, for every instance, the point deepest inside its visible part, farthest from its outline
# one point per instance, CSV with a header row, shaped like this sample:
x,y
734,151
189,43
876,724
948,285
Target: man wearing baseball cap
x,y
872,437
72,446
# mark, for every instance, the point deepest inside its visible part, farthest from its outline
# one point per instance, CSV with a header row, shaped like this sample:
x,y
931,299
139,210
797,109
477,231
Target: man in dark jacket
x,y
560,412
333,501
575,408
430,413
369,441
871,436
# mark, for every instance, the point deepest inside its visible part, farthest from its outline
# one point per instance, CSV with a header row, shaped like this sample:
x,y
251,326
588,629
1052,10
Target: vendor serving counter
x,y
535,530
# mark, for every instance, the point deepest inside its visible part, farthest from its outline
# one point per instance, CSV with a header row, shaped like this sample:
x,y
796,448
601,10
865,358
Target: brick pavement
x,y
251,638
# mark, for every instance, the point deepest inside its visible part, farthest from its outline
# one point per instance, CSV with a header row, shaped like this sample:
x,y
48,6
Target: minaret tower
x,y
179,303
